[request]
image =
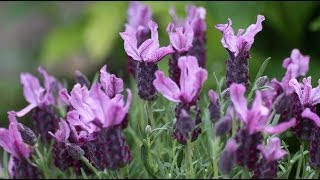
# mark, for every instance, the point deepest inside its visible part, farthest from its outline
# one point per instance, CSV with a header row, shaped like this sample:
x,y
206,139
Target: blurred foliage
x,y
86,37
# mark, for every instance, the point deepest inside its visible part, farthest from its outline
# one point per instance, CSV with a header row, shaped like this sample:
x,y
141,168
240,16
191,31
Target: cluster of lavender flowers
x,y
96,114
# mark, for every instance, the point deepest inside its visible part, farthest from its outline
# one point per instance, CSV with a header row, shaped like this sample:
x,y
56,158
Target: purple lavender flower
x,y
138,17
42,102
196,19
255,119
308,97
181,40
147,55
238,47
12,142
268,165
95,118
81,78
191,81
224,125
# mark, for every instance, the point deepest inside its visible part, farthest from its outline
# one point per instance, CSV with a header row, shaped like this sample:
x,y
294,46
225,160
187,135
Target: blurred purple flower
x,y
273,151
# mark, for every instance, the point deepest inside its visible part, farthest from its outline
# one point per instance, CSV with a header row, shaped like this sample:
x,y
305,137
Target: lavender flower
x,y
255,119
147,55
138,17
181,40
42,102
308,97
81,78
196,19
95,118
238,47
191,80
268,165
12,142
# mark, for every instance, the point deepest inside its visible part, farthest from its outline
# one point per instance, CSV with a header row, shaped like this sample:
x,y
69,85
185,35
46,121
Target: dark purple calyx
x,y
145,75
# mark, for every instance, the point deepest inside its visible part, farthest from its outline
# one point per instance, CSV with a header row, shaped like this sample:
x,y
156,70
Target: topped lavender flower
x,y
241,43
256,117
35,94
11,139
196,20
182,38
273,151
191,80
149,50
238,47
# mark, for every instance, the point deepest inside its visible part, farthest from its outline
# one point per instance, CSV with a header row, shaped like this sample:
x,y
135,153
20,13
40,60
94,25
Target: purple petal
x,y
298,60
306,96
253,30
11,166
64,96
297,87
48,83
192,77
315,94
63,133
280,128
26,110
272,151
74,119
166,87
110,82
229,40
19,148
130,45
79,100
181,40
311,115
160,53
5,141
239,101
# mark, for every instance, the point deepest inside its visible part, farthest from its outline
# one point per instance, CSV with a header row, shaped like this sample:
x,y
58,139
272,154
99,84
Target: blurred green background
x,y
66,36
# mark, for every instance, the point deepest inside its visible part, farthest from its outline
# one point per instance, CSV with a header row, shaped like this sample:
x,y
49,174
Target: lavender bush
x,y
98,130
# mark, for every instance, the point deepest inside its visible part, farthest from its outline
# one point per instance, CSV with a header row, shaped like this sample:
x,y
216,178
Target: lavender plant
x,y
237,130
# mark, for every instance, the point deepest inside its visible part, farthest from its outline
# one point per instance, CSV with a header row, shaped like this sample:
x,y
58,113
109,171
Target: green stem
x,y
300,161
150,114
174,161
89,165
188,159
215,158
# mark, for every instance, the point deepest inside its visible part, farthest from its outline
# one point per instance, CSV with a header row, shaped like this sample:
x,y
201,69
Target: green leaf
x,y
145,160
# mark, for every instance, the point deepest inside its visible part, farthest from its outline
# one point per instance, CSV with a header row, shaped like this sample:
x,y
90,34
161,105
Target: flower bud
x,y
261,81
223,126
27,135
81,78
148,129
74,151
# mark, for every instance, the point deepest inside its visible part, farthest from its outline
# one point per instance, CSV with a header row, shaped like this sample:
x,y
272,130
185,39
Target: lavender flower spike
x,y
214,106
138,17
191,81
268,165
147,55
238,47
228,157
181,40
12,142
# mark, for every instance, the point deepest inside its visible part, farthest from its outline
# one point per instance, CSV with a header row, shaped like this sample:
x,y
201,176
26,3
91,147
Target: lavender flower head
x,y
96,118
228,157
268,165
196,19
42,101
147,55
238,47
191,81
12,142
214,106
137,22
255,119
